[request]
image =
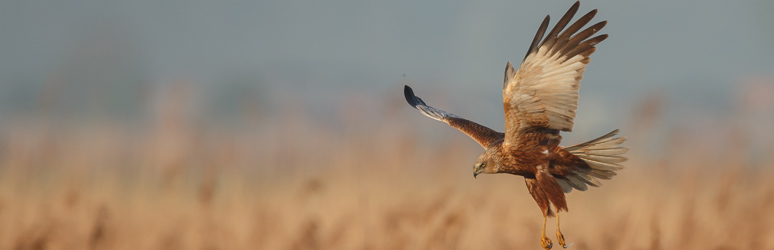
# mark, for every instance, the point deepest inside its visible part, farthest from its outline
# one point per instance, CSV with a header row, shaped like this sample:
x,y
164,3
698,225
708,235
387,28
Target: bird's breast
x,y
522,163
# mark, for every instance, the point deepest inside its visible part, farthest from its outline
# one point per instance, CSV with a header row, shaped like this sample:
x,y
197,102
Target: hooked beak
x,y
475,174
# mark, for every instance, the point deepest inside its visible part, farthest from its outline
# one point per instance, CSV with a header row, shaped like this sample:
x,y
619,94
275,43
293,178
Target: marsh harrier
x,y
540,100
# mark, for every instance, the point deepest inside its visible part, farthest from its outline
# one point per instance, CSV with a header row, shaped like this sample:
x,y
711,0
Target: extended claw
x,y
546,242
560,238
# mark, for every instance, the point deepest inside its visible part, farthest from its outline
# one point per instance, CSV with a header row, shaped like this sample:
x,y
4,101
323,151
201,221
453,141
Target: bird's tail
x,y
602,155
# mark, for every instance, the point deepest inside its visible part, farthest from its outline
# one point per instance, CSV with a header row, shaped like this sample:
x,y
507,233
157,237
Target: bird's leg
x,y
545,241
559,236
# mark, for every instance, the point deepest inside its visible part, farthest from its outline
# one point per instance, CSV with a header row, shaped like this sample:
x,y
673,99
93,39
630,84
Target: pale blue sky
x,y
694,51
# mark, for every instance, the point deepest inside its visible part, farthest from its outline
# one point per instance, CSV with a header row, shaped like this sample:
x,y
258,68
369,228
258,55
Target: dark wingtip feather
x,y
551,38
410,97
538,36
509,73
600,38
603,23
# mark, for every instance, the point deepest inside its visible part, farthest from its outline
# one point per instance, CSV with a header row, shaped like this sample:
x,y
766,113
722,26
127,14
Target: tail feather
x,y
602,155
605,158
601,165
576,182
565,184
612,151
599,174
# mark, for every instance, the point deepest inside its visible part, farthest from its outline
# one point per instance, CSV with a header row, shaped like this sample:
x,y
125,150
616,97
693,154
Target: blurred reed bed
x,y
370,181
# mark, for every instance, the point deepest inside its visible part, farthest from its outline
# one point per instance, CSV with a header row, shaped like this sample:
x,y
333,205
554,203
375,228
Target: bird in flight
x,y
540,99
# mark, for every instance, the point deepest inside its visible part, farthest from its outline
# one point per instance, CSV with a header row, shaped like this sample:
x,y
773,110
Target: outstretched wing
x,y
483,135
543,93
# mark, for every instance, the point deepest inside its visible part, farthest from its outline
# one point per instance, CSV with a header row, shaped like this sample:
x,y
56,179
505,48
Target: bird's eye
x,y
483,165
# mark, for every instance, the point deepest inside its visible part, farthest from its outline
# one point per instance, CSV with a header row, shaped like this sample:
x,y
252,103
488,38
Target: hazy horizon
x,y
700,56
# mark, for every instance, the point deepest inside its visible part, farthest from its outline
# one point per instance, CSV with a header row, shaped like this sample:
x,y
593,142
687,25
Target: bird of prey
x,y
540,100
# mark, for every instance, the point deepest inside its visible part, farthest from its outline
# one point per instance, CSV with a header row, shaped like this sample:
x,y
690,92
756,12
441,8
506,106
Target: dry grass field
x,y
290,183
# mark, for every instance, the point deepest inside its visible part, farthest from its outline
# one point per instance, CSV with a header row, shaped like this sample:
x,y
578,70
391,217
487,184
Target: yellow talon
x,y
546,242
560,239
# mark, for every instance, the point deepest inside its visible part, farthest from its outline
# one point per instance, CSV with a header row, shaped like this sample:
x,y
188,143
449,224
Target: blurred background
x,y
282,125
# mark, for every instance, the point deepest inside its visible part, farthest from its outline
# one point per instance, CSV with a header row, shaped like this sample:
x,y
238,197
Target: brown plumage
x,y
540,100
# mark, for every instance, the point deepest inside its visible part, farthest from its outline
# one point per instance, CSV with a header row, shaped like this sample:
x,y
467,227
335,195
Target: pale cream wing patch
x,y
543,93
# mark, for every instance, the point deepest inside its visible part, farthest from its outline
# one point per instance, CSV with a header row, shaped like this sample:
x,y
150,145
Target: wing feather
x,y
552,36
481,134
543,92
538,36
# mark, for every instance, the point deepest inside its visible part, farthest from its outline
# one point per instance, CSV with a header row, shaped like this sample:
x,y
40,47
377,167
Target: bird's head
x,y
486,163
